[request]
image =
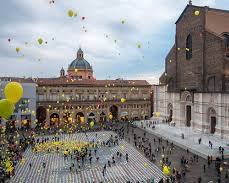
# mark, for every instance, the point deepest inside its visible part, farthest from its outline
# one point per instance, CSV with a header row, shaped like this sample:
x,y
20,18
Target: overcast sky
x,y
110,46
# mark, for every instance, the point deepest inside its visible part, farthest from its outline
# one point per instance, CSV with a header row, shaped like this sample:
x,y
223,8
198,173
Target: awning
x,y
124,113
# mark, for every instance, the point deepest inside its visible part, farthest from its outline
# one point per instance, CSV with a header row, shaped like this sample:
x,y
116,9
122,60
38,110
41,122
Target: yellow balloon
x,y
110,116
40,41
70,13
13,92
17,50
123,100
92,124
158,114
122,147
166,170
6,108
146,165
197,12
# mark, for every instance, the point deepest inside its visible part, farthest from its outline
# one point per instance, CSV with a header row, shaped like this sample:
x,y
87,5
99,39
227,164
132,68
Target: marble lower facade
x,y
205,112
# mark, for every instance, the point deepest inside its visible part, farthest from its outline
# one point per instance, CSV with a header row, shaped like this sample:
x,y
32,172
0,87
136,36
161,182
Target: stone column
x,y
48,117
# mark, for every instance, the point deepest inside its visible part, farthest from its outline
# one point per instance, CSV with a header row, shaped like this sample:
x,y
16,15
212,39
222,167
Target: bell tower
x,y
62,72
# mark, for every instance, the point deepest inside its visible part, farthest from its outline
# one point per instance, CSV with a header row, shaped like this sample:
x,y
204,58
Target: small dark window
x,y
189,47
89,77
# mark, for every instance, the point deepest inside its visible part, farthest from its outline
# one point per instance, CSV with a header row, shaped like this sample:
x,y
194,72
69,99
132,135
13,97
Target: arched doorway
x,y
41,116
54,119
188,115
170,112
80,118
212,120
11,124
102,117
67,118
186,107
91,117
114,112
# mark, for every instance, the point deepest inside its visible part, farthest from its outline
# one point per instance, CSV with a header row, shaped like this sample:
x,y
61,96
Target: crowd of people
x,y
156,150
163,151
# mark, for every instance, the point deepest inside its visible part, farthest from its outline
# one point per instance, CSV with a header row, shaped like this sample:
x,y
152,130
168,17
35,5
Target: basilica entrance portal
x,y
213,124
188,115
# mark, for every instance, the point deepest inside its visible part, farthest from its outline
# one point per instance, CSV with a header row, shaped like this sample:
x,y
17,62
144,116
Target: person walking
x,y
127,157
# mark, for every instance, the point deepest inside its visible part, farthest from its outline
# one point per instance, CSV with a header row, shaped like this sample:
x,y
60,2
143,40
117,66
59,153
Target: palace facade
x,y
77,97
194,89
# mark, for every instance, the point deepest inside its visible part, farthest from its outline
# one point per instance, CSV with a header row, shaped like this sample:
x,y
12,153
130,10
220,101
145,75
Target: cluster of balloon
x,y
92,124
166,170
13,93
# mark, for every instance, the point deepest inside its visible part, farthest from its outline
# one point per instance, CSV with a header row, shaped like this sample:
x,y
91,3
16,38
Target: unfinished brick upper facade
x,y
199,59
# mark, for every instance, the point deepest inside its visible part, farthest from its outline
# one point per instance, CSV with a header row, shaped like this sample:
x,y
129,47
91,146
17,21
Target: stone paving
x,y
195,168
190,140
57,169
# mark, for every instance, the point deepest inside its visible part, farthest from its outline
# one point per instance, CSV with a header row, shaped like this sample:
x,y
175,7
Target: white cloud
x,y
32,19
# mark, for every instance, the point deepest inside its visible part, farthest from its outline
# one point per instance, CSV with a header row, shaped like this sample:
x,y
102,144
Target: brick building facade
x,y
195,84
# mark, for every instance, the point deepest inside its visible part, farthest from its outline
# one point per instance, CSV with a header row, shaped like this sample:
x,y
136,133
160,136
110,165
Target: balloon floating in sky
x,y
40,40
9,39
6,108
17,50
139,45
13,92
123,21
70,13
83,18
197,12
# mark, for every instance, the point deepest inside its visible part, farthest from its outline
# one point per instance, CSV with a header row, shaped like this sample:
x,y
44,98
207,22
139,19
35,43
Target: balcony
x,y
93,101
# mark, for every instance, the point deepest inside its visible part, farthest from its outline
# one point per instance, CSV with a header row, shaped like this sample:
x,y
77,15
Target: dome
x,y
80,62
